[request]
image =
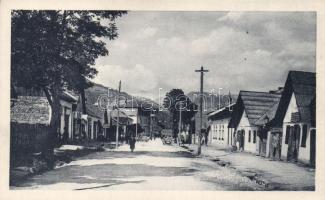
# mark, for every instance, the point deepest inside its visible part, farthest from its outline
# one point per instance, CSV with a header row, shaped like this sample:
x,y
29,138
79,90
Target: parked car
x,y
168,140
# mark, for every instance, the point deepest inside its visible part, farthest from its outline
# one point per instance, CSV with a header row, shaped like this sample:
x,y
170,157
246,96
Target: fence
x,y
28,138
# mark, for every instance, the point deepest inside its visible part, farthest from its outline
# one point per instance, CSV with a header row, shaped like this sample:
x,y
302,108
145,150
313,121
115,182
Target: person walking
x,y
132,143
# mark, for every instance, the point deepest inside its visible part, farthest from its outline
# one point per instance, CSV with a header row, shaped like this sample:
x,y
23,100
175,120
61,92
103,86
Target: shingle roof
x,y
303,86
268,115
31,110
255,105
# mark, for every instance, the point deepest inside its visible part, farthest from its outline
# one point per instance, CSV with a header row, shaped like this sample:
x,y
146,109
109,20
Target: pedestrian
x,y
132,143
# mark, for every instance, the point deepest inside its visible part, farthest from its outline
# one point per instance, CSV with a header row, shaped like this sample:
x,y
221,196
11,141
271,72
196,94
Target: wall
x,y
66,107
219,132
245,125
304,152
26,139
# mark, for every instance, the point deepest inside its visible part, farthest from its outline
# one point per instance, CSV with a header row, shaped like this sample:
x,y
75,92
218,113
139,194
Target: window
x,y
249,136
254,137
287,134
223,134
304,136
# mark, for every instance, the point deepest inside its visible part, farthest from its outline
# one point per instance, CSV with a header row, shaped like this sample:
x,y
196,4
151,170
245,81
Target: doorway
x,y
313,147
294,141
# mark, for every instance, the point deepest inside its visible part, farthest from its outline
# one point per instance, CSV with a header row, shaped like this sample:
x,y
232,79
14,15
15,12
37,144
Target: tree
x,y
54,50
175,100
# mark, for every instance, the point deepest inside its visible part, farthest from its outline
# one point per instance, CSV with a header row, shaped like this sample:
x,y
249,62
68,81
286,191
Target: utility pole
x,y
180,122
136,125
201,106
118,114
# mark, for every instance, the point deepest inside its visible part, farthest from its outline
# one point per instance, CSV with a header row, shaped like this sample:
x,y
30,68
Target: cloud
x,y
223,41
118,44
242,50
233,16
146,33
135,78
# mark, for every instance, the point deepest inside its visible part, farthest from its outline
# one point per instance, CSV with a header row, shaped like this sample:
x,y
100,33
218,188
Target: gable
x,y
244,120
292,108
303,86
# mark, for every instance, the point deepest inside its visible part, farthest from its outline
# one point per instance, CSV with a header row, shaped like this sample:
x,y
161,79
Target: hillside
x,y
212,102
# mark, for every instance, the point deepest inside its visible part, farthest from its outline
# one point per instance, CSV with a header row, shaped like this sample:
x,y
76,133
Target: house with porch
x,y
296,116
250,106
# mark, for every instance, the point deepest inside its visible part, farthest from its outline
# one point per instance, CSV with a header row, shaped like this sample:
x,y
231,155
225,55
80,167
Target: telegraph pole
x,y
180,122
201,106
118,114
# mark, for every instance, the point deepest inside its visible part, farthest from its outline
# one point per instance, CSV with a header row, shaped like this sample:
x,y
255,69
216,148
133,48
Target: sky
x,y
242,51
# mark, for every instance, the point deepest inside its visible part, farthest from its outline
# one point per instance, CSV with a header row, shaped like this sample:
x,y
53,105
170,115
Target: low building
x,y
250,106
36,110
296,115
274,134
219,133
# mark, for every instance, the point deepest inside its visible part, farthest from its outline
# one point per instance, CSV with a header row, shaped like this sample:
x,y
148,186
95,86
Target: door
x,y
313,147
294,141
66,128
243,139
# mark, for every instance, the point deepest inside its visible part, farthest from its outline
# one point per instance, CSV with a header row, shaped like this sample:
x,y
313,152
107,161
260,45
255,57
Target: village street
x,y
153,166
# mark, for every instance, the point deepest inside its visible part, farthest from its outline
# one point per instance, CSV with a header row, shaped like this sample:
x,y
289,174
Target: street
x,y
153,166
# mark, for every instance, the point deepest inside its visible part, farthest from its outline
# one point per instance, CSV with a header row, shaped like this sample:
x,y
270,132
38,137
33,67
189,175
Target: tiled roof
x,y
31,110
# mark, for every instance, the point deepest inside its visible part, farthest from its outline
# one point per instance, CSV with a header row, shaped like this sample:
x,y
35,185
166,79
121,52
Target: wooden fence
x,y
28,138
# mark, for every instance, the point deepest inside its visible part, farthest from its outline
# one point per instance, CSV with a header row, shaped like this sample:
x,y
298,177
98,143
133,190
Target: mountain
x,y
98,90
212,102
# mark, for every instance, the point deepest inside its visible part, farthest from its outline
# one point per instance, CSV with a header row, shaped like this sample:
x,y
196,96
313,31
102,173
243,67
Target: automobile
x,y
168,140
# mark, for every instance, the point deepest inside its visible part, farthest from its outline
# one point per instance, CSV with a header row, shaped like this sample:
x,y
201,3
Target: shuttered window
x,y
304,136
254,137
249,136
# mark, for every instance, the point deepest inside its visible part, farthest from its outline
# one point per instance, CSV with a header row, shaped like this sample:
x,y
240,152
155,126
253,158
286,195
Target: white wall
x,y
219,129
304,152
245,125
68,106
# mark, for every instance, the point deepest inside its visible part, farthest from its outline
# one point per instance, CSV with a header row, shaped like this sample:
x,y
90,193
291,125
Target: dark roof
x,y
30,110
268,115
92,107
222,113
303,86
255,105
69,97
